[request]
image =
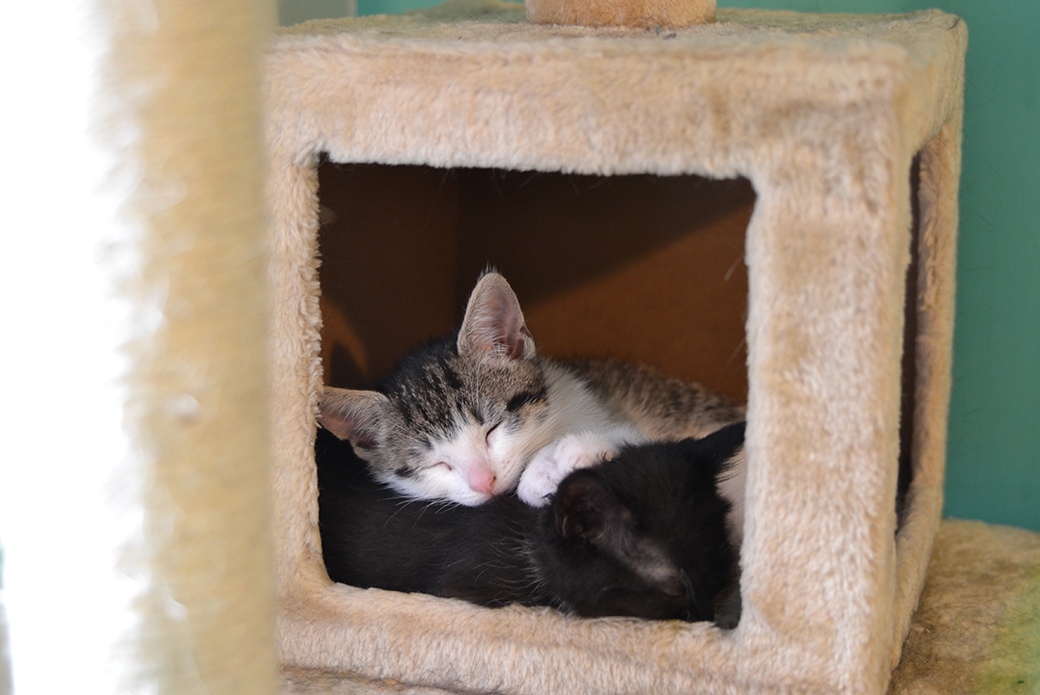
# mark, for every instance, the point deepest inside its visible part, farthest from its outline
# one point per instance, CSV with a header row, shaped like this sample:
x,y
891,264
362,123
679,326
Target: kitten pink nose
x,y
481,479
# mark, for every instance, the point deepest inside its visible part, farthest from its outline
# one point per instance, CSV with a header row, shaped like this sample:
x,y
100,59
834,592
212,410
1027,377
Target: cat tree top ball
x,y
646,14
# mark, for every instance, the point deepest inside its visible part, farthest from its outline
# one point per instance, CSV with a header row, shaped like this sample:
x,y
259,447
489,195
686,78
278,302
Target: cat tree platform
x,y
848,129
976,630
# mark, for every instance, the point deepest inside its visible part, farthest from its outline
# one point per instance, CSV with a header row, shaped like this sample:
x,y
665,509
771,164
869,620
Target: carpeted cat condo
x,y
848,129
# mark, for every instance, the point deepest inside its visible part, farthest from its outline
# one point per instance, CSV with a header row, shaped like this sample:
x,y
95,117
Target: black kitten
x,y
643,535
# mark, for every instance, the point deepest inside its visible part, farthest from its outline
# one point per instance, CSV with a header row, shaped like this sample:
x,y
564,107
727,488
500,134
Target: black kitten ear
x,y
494,323
718,447
353,415
586,510
727,440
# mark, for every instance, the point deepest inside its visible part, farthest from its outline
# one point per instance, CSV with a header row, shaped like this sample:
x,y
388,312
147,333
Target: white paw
x,y
552,464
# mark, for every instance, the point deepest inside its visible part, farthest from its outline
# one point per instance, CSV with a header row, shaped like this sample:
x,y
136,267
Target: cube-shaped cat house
x,y
848,129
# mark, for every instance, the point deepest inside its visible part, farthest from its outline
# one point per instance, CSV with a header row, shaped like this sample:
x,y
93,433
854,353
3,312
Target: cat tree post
x,y
136,530
824,115
825,331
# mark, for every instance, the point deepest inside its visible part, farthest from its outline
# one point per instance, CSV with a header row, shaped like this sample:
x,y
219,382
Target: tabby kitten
x,y
459,419
642,534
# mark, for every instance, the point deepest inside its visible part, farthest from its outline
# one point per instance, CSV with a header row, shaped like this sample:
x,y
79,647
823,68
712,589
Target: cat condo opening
x,y
822,150
642,270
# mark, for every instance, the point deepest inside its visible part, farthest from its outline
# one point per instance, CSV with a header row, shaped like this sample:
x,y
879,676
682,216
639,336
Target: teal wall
x,y
393,6
993,470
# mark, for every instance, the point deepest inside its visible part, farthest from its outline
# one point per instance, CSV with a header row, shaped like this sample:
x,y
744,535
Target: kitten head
x,y
457,419
643,534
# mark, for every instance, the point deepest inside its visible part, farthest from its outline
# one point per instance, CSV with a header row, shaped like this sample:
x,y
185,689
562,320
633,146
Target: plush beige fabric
x,y
977,629
824,115
181,112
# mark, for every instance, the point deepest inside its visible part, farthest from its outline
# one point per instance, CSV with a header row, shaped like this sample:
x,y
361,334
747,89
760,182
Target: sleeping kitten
x,y
460,418
642,535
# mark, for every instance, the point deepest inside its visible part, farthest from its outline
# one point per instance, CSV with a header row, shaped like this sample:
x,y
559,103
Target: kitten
x,y
460,418
642,534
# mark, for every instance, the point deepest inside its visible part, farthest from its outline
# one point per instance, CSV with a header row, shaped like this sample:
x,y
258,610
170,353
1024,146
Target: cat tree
x,y
848,128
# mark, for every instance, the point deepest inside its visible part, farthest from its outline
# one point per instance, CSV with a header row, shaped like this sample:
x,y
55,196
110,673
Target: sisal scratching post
x,y
825,115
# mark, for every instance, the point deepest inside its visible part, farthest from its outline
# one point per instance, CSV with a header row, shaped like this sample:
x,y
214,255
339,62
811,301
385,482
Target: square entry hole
x,y
638,268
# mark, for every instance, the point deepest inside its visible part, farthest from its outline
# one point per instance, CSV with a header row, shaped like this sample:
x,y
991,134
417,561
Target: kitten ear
x,y
727,440
718,447
494,323
586,510
353,415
